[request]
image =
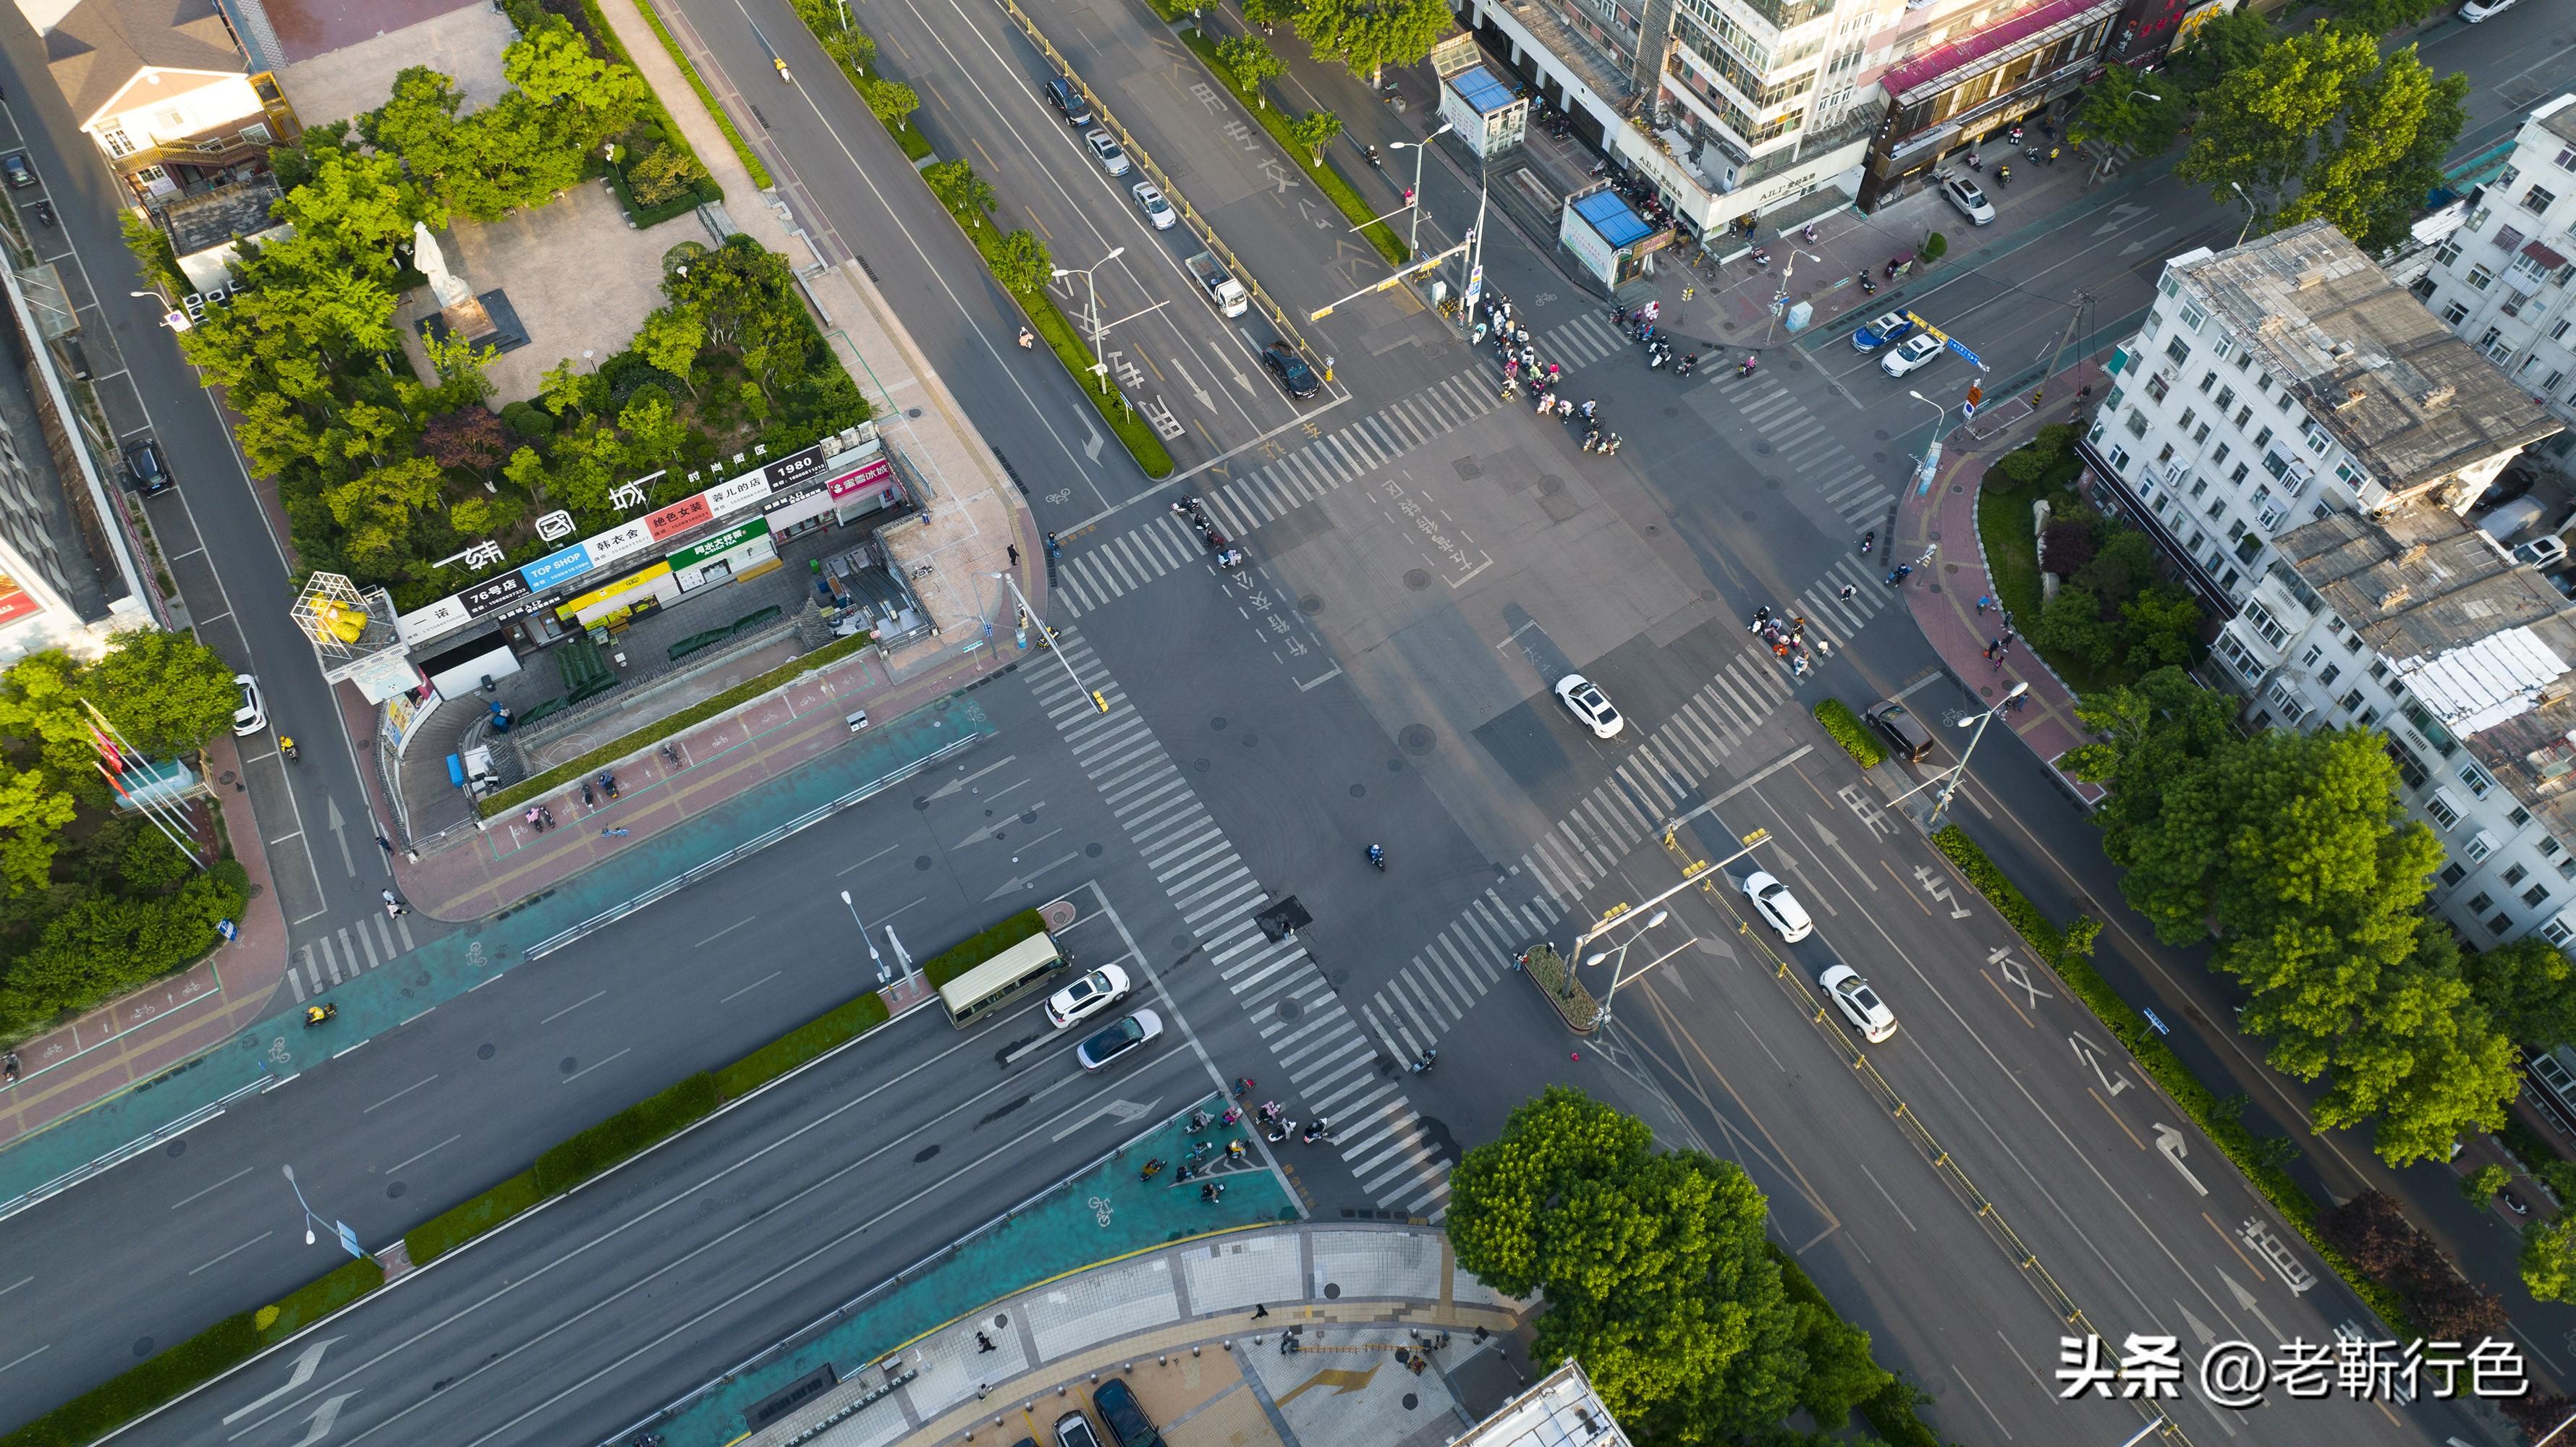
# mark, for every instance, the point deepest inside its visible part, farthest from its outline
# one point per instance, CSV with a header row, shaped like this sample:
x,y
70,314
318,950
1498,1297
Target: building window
x,y
2327,678
2475,777
2226,347
2446,812
2454,313
2556,931
2516,875
2498,925
2483,901
2225,399
2266,627
2207,380
2262,439
2538,200
2288,702
2554,379
2566,159
2157,387
117,142
2179,350
2479,847
2507,239
2452,874
2519,817
2536,896
2480,278
2183,423
2136,423
2192,316
2549,848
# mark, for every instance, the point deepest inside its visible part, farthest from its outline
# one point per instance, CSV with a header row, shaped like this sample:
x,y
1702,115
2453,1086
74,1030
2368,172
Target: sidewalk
x,y
1178,1326
1943,594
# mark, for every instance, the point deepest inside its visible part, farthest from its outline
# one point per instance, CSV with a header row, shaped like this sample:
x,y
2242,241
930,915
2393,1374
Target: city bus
x,y
998,981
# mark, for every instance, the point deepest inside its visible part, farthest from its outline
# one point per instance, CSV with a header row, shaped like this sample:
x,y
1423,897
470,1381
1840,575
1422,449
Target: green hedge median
x,y
2067,951
466,1220
569,1163
809,1041
724,123
187,1365
1847,730
975,949
1328,178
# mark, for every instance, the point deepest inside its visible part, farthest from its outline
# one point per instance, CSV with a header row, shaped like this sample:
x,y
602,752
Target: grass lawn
x,y
2012,558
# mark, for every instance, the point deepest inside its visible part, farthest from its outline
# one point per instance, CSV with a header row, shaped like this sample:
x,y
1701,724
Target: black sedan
x,y
1295,377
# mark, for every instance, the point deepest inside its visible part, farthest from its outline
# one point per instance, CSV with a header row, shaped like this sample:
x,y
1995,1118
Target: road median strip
x,y
1328,178
2068,951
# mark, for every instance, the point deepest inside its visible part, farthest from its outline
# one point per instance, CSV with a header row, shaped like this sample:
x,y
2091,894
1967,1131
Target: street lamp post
x,y
1961,772
883,974
1780,302
2249,211
1097,701
171,316
347,1238
1413,239
1617,959
1932,448
1099,364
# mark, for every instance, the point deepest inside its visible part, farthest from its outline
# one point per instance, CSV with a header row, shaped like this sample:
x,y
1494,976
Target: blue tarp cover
x,y
1481,90
1611,217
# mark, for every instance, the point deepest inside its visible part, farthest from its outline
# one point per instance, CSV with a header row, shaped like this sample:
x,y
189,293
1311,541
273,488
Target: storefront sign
x,y
622,541
793,468
558,567
491,593
726,541
734,496
680,517
877,470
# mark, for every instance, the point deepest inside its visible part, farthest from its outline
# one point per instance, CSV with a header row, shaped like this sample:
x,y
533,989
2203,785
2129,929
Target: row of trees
x,y
2307,126
2293,853
1656,1274
1362,36
94,901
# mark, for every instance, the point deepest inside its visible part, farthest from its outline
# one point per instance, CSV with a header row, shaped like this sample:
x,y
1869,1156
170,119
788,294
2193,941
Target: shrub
x,y
317,1299
466,1220
1849,731
1892,1411
528,420
1935,246
975,949
574,1161
809,1041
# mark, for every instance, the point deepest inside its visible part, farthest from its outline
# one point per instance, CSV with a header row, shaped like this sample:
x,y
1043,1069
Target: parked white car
x,y
1149,199
1969,198
252,716
1113,157
1778,907
1909,354
1859,1003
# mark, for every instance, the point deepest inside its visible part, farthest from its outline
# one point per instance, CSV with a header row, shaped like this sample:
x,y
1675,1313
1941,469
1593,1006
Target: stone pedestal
x,y
485,321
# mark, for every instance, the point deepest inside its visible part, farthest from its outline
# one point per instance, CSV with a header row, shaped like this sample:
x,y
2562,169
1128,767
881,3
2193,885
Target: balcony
x,y
2114,490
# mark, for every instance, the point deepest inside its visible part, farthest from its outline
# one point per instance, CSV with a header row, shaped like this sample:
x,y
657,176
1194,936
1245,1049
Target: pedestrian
x,y
1847,591
984,1343
1989,652
384,844
612,833
1260,1310
394,906
1053,551
1984,602
983,1390
1014,550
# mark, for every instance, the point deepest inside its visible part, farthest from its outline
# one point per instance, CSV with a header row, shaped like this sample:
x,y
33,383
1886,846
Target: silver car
x,y
1113,157
1970,200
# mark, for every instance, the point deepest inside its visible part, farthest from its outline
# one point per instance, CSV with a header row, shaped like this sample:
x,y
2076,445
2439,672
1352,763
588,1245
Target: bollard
x,y
1194,1351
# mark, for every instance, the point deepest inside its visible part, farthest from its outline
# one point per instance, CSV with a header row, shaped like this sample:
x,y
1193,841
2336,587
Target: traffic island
x,y
1565,994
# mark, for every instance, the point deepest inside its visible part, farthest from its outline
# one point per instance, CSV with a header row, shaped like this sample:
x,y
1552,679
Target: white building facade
x,y
2278,382
2505,281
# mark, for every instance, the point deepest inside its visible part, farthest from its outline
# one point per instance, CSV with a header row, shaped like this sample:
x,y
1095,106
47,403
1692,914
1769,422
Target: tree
x,y
1315,130
166,692
1367,36
1271,14
2380,17
665,175
33,815
2072,624
1841,1374
965,194
2525,988
567,389
1246,62
2160,627
1653,1266
671,339
1020,262
459,366
2230,41
2549,1258
2128,111
375,509
652,431
469,437
2320,126
891,101
585,97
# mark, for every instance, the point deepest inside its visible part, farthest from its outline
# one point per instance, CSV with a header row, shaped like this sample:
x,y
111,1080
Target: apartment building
x,y
2502,279
2413,623
166,89
1736,107
2277,383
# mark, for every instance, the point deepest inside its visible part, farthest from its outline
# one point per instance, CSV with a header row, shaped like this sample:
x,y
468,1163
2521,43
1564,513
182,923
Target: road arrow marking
x,y
339,828
1836,845
307,1363
323,1417
2143,242
2169,1144
1120,1110
1091,441
2245,1302
1023,881
953,785
1206,402
2121,215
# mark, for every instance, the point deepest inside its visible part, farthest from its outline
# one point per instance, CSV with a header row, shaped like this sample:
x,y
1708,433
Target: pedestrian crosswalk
x,y
1586,339
1102,572
337,956
1811,456
1298,1013
1656,781
1832,619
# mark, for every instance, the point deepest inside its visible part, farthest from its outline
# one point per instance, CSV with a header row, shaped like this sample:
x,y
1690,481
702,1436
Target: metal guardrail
x,y
1189,214
130,1149
1988,1215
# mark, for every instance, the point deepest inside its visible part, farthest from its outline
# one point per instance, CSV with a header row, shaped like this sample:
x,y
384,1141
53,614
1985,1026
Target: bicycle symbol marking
x,y
277,1052
1100,1209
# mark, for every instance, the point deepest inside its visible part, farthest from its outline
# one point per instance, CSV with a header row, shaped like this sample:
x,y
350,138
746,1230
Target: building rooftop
x,y
2410,400
1560,1410
2477,637
98,49
1610,215
207,219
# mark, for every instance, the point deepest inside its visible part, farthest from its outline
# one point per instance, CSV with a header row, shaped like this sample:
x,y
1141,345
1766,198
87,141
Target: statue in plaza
x,y
444,284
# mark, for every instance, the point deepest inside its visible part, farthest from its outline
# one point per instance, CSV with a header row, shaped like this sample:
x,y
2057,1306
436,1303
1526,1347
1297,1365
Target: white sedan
x,y
1585,700
1778,907
1113,157
1087,996
252,716
1859,1003
1149,199
1909,354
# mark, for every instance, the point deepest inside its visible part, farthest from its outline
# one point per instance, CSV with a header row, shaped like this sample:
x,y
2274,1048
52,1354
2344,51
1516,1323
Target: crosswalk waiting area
x,y
1336,1071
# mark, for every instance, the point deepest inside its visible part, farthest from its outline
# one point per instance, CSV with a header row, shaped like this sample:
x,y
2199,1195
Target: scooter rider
x,y
286,746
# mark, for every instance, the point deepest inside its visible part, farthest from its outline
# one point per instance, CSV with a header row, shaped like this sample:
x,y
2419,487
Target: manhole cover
x,y
1770,484
483,1051
920,803
1359,791
1880,434
1091,851
1416,579
569,1065
225,777
1468,469
1218,722
394,1191
1416,739
1028,816
1332,1292
1749,515
1341,978
1763,448
1550,484
175,1149
1312,603
913,412
1395,766
921,862
1878,456
1199,764
1411,1401
1290,1010
142,1346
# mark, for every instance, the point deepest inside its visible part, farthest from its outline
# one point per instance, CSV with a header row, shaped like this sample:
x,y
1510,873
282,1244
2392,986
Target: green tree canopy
x,y
1367,36
1020,262
1245,62
967,196
1315,130
891,101
2122,108
166,692
2379,17
2549,1257
1652,1263
2525,986
1271,14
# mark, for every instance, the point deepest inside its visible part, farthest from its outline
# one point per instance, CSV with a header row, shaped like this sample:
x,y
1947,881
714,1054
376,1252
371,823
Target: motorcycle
x,y
1902,572
1187,1172
671,756
1232,1114
2003,175
45,212
1687,365
317,1014
1152,1169
1867,286
1212,1192
1377,856
286,746
1423,1065
589,800
1320,1130
1234,1149
1278,1133
1746,368
1199,1120
1230,558
1809,233
608,783
1376,160
1868,540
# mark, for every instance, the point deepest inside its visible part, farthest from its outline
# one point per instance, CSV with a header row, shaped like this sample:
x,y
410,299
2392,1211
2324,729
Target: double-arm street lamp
x,y
1617,957
883,974
1961,772
1099,366
1413,198
1098,701
1931,449
340,1232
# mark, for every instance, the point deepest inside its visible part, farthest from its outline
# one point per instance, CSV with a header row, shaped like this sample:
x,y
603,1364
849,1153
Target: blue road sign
x,y
1953,344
